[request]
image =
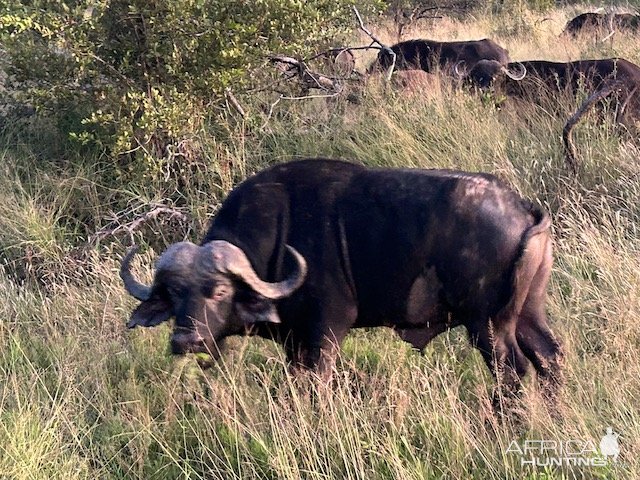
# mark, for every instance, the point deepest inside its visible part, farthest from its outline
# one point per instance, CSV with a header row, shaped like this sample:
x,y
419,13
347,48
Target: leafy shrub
x,y
137,77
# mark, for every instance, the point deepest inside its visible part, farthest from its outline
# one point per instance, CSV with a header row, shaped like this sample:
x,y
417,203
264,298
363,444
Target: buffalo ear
x,y
150,313
257,310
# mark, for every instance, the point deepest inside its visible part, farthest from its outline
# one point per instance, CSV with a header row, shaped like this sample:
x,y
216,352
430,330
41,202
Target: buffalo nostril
x,y
178,347
182,343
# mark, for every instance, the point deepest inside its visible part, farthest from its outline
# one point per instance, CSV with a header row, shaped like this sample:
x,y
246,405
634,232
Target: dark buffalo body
x,y
606,22
544,78
431,55
419,251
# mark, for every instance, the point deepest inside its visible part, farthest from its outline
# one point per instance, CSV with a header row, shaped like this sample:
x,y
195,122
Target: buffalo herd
x,y
485,65
304,251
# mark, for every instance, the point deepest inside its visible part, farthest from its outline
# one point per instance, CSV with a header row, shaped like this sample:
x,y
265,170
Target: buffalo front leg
x,y
329,351
316,343
336,315
316,355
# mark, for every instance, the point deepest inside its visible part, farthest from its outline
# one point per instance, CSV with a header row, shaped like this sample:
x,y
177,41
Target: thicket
x,y
136,97
143,79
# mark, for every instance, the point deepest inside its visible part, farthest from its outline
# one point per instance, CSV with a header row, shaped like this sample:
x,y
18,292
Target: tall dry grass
x,y
81,397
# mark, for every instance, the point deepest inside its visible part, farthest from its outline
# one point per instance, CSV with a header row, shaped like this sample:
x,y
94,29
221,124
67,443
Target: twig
x,y
304,97
307,77
367,31
337,52
273,105
284,59
284,97
234,101
608,36
131,226
367,47
324,53
424,11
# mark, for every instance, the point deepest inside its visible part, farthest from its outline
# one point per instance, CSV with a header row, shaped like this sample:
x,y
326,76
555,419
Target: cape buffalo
x,y
430,55
304,251
609,22
541,78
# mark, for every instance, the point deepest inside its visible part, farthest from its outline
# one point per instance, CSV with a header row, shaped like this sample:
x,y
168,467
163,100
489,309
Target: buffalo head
x,y
212,291
487,73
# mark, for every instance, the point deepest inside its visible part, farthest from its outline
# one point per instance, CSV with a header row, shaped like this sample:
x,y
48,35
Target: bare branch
x,y
116,225
273,105
326,52
308,78
304,97
367,31
608,36
234,101
285,97
284,59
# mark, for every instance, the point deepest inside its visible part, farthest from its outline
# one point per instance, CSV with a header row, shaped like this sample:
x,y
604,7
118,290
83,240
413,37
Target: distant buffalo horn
x,y
137,290
228,258
516,76
456,69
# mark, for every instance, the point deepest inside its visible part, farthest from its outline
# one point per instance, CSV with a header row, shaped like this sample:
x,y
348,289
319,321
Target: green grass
x,y
82,397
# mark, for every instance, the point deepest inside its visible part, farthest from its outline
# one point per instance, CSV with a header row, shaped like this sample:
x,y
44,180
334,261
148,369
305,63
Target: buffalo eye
x,y
175,293
217,292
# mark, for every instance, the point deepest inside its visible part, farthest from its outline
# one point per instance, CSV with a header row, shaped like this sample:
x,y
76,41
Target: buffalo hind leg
x,y
536,339
545,353
505,360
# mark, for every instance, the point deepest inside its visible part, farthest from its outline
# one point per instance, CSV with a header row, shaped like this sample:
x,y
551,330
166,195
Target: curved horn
x,y
515,76
230,259
137,290
456,69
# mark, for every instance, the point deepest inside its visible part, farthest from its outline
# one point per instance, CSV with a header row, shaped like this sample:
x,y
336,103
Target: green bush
x,y
138,77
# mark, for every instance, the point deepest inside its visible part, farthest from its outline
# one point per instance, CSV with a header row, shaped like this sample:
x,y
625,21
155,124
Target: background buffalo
x,y
592,22
432,56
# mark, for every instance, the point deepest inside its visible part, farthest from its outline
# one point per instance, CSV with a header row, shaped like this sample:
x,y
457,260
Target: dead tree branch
x,y
269,115
308,78
119,225
234,102
420,12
